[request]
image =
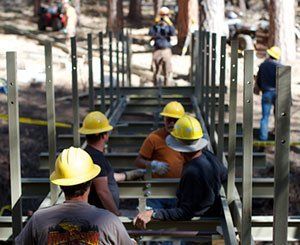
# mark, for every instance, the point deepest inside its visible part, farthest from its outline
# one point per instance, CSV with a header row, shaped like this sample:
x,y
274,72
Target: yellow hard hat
x,y
275,52
74,166
94,123
173,109
164,11
187,128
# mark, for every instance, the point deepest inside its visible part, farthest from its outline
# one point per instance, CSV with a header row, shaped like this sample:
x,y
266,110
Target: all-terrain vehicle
x,y
51,16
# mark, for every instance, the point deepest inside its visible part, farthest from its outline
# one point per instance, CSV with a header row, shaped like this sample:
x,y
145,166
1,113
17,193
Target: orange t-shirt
x,y
155,148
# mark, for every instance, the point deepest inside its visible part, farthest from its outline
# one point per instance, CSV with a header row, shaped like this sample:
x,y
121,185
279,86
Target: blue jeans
x,y
267,100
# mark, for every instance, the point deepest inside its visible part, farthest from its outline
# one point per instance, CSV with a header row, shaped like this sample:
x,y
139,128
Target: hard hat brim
x,y
274,55
83,130
169,115
76,180
179,146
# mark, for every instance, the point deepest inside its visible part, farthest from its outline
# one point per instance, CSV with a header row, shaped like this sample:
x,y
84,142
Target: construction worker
x,y
71,19
202,175
104,190
161,34
164,162
266,82
74,221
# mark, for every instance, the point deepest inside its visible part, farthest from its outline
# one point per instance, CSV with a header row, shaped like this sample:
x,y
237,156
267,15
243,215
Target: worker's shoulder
x,y
158,133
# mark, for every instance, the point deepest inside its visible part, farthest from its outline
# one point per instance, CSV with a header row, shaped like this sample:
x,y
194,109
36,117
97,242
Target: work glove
x,y
159,168
135,174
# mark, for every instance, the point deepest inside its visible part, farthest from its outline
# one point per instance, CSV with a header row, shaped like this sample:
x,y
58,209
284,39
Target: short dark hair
x,y
93,138
76,190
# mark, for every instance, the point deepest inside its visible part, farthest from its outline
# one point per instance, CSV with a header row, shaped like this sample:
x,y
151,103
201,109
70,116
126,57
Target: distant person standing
x,y
71,19
161,34
266,82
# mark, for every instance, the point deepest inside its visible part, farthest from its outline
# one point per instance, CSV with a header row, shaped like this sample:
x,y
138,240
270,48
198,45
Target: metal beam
x,y
246,237
125,161
101,91
184,91
51,118
14,142
90,66
221,127
232,120
154,188
75,99
282,149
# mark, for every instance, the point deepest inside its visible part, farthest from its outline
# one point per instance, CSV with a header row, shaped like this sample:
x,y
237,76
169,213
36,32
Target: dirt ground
x,y
32,99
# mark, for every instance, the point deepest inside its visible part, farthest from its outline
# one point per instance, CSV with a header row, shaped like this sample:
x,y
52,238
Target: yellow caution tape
x,y
7,207
272,143
37,122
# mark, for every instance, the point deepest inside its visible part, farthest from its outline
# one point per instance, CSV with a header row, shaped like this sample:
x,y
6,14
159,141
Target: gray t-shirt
x,y
74,222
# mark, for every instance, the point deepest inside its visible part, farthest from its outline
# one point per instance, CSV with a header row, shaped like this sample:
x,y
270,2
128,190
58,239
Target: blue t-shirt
x,y
266,76
161,34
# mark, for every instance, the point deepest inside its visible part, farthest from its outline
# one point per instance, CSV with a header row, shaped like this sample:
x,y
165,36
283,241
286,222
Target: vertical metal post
x,y
192,49
51,118
129,53
197,74
102,82
282,162
123,58
247,147
203,70
75,98
91,79
220,149
207,78
198,82
213,92
232,120
111,85
14,142
118,68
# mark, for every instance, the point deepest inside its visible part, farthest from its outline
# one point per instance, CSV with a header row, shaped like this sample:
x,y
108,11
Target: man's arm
x,y
26,235
141,162
104,194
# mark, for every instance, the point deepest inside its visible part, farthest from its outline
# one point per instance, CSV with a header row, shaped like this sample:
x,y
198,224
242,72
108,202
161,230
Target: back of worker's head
x,y
95,126
74,170
274,53
187,136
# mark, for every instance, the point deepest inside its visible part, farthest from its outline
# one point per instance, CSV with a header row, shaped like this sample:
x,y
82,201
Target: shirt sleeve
x,y
27,234
187,207
102,163
152,31
148,147
115,233
172,31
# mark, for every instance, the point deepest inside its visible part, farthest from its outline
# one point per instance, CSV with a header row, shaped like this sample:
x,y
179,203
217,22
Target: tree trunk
x,y
282,27
157,4
37,5
115,15
188,16
214,16
242,5
135,10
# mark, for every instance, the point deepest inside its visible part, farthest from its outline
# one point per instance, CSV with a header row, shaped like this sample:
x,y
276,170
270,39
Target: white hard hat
x,y
164,11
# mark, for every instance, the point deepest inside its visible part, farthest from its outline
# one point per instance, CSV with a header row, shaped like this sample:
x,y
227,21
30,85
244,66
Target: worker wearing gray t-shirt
x,y
74,221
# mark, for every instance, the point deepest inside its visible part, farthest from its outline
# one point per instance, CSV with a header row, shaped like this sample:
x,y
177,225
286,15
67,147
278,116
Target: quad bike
x,y
51,16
